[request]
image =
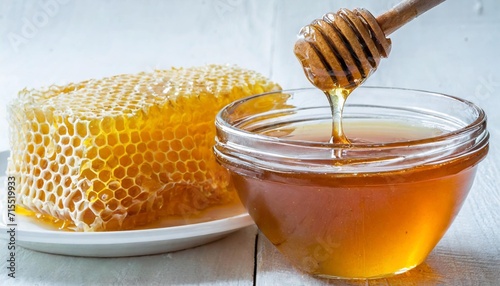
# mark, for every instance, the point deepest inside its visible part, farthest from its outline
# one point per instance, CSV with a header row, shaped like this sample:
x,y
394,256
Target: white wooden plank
x,y
229,261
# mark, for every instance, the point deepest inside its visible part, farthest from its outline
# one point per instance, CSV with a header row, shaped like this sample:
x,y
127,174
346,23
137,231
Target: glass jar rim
x,y
236,145
481,118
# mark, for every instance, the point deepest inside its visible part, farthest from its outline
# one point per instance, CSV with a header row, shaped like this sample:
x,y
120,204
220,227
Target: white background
x,y
452,49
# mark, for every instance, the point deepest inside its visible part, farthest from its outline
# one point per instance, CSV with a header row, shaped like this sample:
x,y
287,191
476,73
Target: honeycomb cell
x,y
113,204
68,151
176,145
124,138
59,191
159,157
106,195
65,140
152,145
119,173
56,178
105,152
148,156
67,182
113,139
98,186
92,195
135,137
125,161
180,167
142,147
188,143
81,129
172,156
126,202
40,183
176,176
134,191
100,141
38,139
114,185
130,149
94,127
92,152
184,155
120,194
187,177
34,161
156,167
202,165
40,195
132,171
137,158
119,151
88,174
146,169
120,124
106,125
123,151
64,169
98,164
142,196
104,176
97,206
44,128
62,130
52,199
76,141
191,166
60,203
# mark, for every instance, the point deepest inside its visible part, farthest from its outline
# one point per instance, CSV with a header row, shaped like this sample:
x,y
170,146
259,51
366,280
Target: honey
x,y
362,224
372,208
337,98
211,213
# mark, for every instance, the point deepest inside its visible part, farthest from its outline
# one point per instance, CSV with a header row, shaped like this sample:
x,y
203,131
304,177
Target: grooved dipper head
x,y
341,50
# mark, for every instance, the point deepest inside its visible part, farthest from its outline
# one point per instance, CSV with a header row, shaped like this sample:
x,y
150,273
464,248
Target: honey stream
x,y
337,98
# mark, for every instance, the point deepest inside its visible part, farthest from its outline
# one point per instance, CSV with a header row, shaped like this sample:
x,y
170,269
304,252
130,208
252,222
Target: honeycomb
x,y
123,151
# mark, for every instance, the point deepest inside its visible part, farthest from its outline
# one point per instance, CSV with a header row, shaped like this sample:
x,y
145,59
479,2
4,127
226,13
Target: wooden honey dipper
x,y
341,50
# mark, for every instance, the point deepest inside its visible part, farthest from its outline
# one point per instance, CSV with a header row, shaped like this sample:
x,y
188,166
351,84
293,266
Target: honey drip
x,y
337,98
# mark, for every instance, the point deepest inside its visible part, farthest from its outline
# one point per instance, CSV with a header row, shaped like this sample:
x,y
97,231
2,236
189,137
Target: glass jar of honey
x,y
374,207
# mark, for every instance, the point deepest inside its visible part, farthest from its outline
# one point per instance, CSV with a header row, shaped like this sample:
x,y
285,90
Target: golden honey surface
x,y
357,224
123,151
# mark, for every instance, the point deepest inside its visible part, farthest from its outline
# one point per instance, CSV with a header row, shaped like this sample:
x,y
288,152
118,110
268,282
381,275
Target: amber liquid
x,y
337,98
357,225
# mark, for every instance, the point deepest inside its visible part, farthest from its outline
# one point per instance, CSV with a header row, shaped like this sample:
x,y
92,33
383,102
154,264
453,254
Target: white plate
x,y
192,232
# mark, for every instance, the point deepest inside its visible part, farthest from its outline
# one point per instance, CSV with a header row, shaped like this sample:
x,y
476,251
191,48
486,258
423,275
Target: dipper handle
x,y
403,13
